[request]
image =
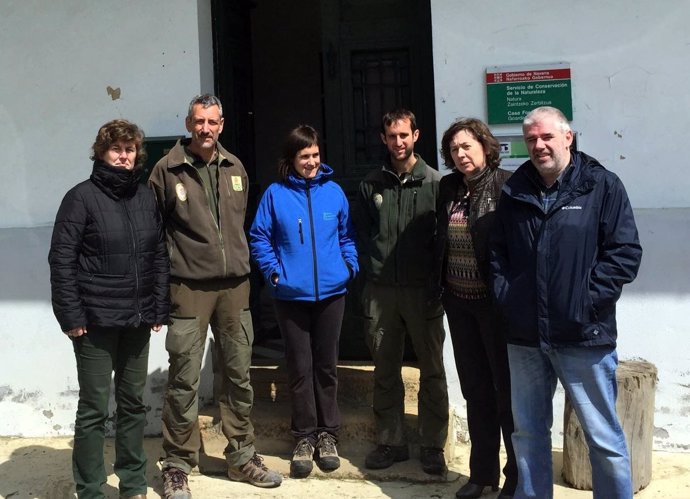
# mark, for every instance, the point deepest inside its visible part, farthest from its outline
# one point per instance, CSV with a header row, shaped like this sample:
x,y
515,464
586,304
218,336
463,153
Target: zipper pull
x,y
301,234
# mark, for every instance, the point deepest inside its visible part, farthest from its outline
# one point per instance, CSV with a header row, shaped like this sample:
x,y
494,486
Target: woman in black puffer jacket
x,y
109,275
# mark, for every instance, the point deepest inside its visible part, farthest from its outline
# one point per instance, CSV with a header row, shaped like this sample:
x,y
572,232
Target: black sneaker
x,y
302,459
326,454
433,461
255,472
385,455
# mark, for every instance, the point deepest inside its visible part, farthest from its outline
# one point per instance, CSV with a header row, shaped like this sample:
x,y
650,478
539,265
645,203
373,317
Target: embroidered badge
x,y
378,200
181,192
236,183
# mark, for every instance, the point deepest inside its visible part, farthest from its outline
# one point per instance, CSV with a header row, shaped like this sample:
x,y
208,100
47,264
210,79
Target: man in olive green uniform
x,y
395,217
201,190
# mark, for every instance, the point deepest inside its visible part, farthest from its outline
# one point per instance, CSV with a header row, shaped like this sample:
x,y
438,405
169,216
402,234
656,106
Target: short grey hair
x,y
534,115
206,101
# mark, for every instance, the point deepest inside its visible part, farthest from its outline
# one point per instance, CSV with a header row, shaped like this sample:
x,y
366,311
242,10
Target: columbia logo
x,y
571,208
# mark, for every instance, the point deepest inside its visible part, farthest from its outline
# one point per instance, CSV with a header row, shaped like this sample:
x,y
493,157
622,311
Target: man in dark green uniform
x,y
395,217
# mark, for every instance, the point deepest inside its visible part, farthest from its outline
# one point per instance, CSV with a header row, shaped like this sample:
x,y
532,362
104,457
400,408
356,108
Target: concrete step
x,y
271,420
355,383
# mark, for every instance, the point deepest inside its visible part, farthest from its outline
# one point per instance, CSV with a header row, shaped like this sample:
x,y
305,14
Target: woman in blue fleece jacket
x,y
303,243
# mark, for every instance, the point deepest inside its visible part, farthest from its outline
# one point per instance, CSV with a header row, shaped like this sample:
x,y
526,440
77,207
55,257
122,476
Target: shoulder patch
x,y
181,192
378,200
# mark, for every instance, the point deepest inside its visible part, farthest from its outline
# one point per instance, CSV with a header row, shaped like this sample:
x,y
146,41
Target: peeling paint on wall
x,y
5,391
24,396
114,93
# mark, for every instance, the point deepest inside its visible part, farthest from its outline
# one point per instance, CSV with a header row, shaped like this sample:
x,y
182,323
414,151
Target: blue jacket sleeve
x,y
498,253
261,238
620,253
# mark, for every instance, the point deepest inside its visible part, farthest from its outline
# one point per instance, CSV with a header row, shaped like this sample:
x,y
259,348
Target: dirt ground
x,y
41,468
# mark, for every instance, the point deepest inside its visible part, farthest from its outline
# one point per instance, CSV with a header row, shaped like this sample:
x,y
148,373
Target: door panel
x,y
376,57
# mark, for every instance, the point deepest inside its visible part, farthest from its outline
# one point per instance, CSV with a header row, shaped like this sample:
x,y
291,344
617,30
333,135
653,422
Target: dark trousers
x,y
391,312
482,362
100,352
222,304
311,331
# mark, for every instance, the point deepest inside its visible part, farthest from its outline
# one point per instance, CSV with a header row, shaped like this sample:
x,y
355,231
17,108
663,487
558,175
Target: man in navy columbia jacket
x,y
565,243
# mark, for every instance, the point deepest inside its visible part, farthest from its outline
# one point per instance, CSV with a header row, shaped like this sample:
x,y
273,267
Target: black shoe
x,y
325,453
508,490
385,455
302,457
472,490
433,461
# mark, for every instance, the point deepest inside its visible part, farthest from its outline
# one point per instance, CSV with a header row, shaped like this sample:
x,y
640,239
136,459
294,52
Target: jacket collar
x,y
116,183
178,156
321,177
418,171
524,184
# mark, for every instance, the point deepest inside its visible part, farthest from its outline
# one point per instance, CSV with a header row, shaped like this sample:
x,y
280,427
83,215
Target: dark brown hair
x,y
480,131
115,131
300,137
397,115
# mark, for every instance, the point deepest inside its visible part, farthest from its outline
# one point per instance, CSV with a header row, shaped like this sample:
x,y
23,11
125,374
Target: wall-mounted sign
x,y
513,151
513,91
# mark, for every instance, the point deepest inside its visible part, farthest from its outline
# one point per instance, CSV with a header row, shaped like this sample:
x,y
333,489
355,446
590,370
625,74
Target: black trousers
x,y
311,331
481,359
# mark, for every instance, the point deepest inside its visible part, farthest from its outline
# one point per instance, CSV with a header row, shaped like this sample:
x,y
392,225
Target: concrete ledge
x,y
271,420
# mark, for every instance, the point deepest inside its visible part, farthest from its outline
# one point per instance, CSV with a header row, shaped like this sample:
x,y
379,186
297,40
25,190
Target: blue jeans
x,y
588,375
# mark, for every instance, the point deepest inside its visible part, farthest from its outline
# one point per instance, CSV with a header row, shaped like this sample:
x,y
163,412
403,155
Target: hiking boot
x,y
433,461
385,455
255,472
302,459
326,455
175,484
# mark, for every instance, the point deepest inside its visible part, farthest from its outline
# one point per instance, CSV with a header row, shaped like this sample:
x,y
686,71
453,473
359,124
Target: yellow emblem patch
x,y
236,183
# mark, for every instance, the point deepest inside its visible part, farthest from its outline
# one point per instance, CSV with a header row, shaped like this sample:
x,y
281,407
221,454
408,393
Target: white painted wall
x,y
57,60
630,66
629,61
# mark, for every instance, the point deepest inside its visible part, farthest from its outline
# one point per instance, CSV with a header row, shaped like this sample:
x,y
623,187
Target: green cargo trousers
x,y
101,352
224,305
390,312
